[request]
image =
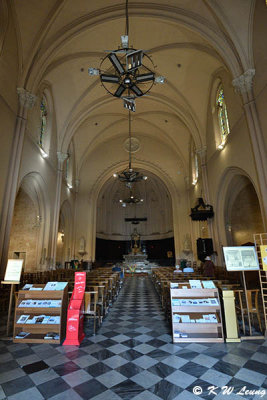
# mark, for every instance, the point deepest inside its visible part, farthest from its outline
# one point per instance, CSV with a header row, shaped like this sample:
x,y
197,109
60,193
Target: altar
x,y
137,259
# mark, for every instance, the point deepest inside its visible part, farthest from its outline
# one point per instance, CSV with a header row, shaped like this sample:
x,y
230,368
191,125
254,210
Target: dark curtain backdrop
x,y
113,250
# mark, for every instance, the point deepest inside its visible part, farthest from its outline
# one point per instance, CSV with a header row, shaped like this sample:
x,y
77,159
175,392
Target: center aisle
x,y
135,356
130,346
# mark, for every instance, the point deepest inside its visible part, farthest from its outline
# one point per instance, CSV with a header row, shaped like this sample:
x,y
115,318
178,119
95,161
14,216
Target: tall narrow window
x,y
43,112
222,116
194,167
67,168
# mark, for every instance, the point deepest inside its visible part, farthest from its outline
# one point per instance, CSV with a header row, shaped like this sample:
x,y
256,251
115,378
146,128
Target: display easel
x,y
260,240
12,277
244,269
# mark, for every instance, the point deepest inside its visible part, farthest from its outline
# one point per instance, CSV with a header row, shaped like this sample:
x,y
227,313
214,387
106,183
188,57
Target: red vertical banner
x,y
74,330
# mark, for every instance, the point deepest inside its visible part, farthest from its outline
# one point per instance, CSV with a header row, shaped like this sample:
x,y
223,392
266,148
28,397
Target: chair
x,y
253,305
91,310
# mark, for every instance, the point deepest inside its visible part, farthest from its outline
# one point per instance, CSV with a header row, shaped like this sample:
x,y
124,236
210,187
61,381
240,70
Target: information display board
x,y
241,258
264,256
13,270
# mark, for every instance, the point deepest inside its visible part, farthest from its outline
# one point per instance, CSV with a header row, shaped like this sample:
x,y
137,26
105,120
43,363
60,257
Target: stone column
x,y
74,223
26,102
61,157
244,86
202,153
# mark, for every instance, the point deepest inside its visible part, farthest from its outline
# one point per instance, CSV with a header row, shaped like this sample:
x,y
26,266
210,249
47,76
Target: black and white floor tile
x,y
132,357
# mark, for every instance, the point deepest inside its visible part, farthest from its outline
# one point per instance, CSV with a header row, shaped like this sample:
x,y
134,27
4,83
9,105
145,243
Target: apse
x,y
154,205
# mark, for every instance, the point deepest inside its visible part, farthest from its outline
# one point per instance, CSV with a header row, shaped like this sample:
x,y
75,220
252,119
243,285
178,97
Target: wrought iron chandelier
x,y
129,175
131,200
127,73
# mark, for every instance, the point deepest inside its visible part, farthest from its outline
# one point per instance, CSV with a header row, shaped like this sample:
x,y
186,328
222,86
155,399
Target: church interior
x,y
134,153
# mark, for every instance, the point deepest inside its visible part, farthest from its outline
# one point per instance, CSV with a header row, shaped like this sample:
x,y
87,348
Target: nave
x,y
130,357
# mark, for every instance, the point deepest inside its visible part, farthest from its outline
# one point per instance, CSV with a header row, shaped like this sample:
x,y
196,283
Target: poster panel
x,y
241,258
264,256
13,270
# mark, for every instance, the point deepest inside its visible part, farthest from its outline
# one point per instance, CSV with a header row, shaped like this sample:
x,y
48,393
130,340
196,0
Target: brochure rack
x,y
75,333
37,332
198,310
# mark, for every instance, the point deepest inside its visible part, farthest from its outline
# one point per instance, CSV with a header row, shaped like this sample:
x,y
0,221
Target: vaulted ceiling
x,y
188,40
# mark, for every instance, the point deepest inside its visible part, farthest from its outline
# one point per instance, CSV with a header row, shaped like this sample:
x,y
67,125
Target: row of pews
x,y
162,277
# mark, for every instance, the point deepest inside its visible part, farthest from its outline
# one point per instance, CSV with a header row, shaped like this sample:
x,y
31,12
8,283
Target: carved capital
x,y
61,157
76,185
202,153
26,98
244,83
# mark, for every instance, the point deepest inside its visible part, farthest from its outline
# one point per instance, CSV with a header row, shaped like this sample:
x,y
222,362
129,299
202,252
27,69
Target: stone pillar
x,y
61,157
244,86
202,153
26,102
74,223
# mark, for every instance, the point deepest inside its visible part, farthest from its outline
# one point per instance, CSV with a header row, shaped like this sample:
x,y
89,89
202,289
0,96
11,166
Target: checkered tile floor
x,y
132,357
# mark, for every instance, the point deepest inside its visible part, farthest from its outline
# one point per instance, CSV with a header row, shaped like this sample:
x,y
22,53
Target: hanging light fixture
x,y
127,73
131,200
129,175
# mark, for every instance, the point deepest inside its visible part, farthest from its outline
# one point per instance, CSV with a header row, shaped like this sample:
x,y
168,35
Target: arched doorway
x,y
29,238
25,231
242,212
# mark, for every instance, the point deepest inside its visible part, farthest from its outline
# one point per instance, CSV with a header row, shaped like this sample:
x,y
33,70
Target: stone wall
x,y
24,232
245,216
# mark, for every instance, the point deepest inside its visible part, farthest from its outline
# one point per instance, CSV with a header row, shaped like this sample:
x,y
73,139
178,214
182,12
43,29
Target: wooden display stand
x,y
197,332
38,331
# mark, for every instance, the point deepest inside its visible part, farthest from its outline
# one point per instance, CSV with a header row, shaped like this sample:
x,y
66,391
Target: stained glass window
x,y
43,112
222,115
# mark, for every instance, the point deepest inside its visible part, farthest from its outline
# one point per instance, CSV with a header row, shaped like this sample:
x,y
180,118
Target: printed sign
x,y
264,256
241,258
13,270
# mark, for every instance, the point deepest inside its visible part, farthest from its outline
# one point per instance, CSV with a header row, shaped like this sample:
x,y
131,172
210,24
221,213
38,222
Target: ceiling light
x,y
145,77
129,175
137,91
144,178
131,200
160,79
93,71
130,68
129,103
134,60
109,78
120,90
125,41
120,201
116,63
